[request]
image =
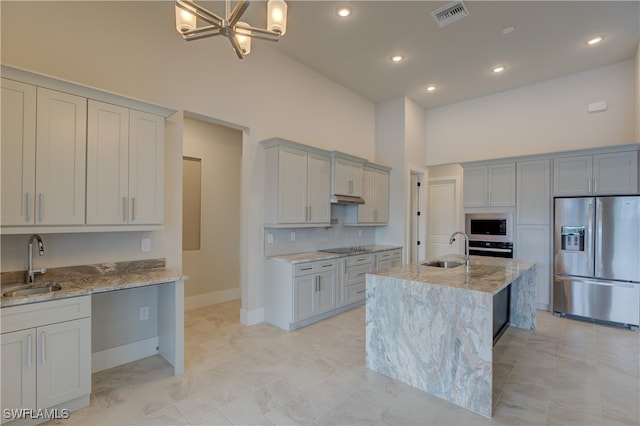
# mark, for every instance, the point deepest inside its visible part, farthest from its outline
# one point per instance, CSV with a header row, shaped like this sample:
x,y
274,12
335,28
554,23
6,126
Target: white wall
x,y
400,144
214,270
637,114
132,48
546,117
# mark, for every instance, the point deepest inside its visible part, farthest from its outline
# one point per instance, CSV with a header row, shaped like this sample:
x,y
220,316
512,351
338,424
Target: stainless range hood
x,y
345,200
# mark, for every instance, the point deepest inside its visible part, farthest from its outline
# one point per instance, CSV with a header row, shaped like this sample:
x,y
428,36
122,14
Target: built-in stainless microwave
x,y
489,226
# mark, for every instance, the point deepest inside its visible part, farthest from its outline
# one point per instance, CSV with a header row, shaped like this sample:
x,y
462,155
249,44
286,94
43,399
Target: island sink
x,y
443,264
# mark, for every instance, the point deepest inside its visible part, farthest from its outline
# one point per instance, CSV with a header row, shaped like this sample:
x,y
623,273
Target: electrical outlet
x,y
359,232
293,235
144,313
269,238
145,245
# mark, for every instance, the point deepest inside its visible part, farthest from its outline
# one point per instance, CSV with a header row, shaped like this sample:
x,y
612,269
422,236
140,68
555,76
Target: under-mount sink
x,y
33,290
443,263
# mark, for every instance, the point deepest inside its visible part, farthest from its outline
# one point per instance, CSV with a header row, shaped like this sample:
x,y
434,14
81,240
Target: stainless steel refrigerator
x,y
597,258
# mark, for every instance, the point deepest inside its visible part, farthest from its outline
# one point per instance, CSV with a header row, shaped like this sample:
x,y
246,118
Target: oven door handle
x,y
495,250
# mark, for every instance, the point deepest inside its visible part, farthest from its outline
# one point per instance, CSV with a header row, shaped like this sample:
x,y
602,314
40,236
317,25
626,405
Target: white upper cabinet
x,y
61,146
375,193
347,175
44,144
125,159
600,174
297,184
492,185
107,164
18,152
533,192
146,168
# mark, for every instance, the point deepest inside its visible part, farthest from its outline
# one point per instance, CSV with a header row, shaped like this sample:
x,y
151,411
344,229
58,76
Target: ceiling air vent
x,y
450,13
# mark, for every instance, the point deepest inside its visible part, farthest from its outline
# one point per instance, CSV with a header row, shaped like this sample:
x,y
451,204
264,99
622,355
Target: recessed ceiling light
x,y
595,40
497,69
431,88
509,29
397,58
344,11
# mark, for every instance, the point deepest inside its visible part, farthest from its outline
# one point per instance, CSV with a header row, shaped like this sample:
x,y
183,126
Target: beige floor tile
x,y
565,372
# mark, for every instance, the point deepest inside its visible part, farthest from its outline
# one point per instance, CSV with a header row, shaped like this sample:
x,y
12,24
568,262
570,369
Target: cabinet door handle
x,y
29,348
43,346
360,292
595,185
40,206
589,184
133,209
124,209
309,214
28,207
350,187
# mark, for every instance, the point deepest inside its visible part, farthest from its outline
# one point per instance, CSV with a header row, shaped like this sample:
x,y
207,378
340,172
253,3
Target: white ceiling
x,y
548,42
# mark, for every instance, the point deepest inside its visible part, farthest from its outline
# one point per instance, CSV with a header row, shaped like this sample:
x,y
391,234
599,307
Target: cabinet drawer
x,y
313,267
355,293
359,260
388,254
358,273
37,314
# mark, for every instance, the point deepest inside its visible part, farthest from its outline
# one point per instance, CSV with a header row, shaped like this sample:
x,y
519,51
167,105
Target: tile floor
x,y
566,372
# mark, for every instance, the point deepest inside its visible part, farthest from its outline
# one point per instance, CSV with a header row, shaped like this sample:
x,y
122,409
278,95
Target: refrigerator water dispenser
x,y
572,238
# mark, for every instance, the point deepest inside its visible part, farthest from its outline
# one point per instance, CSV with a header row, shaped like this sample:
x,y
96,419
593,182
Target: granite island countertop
x,y
486,274
311,256
89,279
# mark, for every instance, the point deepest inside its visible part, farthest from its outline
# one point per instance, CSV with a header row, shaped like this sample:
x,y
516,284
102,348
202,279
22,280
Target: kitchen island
x,y
432,327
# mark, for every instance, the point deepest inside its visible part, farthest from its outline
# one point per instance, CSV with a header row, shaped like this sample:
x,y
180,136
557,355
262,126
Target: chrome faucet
x,y
29,276
466,246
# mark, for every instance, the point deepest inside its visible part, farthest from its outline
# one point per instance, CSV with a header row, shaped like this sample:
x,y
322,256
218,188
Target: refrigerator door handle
x,y
595,282
590,238
598,239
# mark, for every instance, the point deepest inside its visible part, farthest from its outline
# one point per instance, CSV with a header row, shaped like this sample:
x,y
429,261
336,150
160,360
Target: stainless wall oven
x,y
490,234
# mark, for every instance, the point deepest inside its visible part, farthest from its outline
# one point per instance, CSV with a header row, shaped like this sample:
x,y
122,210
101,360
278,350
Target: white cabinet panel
x,y
533,243
534,192
18,152
61,124
347,176
375,193
18,370
64,362
490,186
107,164
600,174
297,185
146,168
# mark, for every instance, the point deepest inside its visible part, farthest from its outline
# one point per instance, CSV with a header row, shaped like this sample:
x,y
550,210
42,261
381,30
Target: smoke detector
x,y
450,13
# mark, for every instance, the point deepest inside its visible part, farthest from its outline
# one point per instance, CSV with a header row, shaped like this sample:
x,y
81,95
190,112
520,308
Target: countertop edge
x,y
312,256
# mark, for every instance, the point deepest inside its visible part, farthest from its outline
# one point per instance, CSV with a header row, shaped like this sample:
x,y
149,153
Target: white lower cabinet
x,y
46,354
388,259
314,293
355,276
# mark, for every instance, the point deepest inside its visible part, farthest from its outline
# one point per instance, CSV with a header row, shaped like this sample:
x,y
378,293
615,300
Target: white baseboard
x,y
212,298
255,316
113,357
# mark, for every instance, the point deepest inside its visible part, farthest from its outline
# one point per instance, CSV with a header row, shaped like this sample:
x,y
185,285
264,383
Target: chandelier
x,y
239,33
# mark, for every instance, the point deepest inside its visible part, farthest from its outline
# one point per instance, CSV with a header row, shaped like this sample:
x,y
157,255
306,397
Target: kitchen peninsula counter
x,y
312,256
432,327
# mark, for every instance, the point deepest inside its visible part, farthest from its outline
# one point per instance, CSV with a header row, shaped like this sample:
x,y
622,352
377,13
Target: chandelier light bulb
x,y
243,40
277,16
185,21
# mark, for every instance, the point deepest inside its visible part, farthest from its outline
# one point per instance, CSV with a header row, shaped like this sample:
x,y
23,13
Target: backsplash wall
x,y
311,239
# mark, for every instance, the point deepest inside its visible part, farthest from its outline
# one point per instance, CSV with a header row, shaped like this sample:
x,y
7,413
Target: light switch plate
x,y
293,235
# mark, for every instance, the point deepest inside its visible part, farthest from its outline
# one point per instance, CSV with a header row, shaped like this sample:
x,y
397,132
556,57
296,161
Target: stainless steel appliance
x,y
489,227
490,234
597,258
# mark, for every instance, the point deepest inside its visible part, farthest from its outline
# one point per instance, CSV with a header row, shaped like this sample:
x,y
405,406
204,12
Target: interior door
x,y
442,218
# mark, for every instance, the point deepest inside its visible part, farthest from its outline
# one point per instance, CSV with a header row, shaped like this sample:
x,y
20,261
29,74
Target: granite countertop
x,y
486,274
89,279
311,256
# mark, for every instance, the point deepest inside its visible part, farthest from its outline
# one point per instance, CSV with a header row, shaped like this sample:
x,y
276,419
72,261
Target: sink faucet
x,y
466,246
30,274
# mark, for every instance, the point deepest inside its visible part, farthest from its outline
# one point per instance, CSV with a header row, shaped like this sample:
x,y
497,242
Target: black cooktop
x,y
347,250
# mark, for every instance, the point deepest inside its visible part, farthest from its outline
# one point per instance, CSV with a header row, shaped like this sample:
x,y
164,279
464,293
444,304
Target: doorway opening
x,y
211,257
